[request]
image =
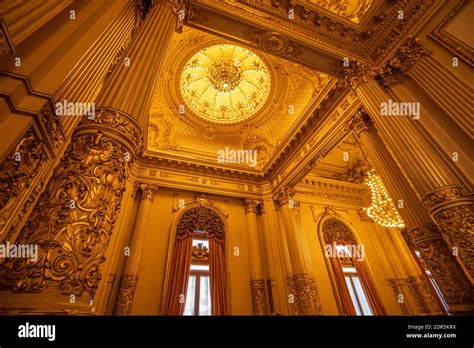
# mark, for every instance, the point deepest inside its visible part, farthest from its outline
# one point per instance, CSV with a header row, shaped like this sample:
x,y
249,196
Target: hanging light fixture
x,y
382,209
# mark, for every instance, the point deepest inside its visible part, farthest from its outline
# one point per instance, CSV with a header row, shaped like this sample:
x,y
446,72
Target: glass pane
x,y
189,306
199,267
361,294
205,297
353,296
204,242
349,269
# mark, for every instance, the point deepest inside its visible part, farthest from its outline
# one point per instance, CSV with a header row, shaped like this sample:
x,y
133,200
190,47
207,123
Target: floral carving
x,y
452,209
456,289
53,126
17,174
200,220
257,288
128,284
403,60
74,217
306,295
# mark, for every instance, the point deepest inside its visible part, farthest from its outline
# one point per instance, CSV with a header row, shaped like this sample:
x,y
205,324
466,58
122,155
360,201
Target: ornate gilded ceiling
x,y
216,95
352,10
225,83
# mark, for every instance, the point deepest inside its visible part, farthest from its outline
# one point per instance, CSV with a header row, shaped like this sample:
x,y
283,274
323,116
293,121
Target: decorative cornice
x,y
458,47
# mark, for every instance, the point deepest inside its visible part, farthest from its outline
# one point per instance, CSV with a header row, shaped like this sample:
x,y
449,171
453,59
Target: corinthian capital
x,y
355,74
283,196
402,62
148,191
251,205
361,122
179,9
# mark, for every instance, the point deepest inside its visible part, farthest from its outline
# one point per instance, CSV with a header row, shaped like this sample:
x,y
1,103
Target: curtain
x,y
368,286
347,305
180,268
217,276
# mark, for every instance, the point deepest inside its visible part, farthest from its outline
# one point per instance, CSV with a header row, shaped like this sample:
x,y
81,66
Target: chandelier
x,y
382,209
225,83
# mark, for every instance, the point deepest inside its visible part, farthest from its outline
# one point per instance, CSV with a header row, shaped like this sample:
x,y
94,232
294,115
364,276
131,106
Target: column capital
x,y
251,205
405,58
147,191
179,9
283,196
361,122
354,74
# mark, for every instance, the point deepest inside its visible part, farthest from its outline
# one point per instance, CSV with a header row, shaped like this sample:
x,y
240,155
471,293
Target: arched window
x,y
351,275
197,274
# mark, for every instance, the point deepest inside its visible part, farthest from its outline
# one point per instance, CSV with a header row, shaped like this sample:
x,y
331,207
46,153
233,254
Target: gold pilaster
x,y
302,286
129,278
257,284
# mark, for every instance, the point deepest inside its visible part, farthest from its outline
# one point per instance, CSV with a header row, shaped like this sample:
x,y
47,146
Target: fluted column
x,y
129,279
304,288
455,287
131,86
433,176
257,283
24,17
74,217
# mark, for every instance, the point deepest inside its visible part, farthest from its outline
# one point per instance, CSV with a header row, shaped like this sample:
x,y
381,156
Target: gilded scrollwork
x,y
404,59
74,217
17,174
452,209
428,241
306,295
127,287
257,288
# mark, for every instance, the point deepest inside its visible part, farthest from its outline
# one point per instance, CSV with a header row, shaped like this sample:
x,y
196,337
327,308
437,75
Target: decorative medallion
x,y
225,84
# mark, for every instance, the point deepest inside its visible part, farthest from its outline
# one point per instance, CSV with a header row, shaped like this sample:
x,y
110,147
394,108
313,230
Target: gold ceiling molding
x,y
225,84
322,30
452,43
352,10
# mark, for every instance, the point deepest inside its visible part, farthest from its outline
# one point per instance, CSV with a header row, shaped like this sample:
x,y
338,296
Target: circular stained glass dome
x,y
225,83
